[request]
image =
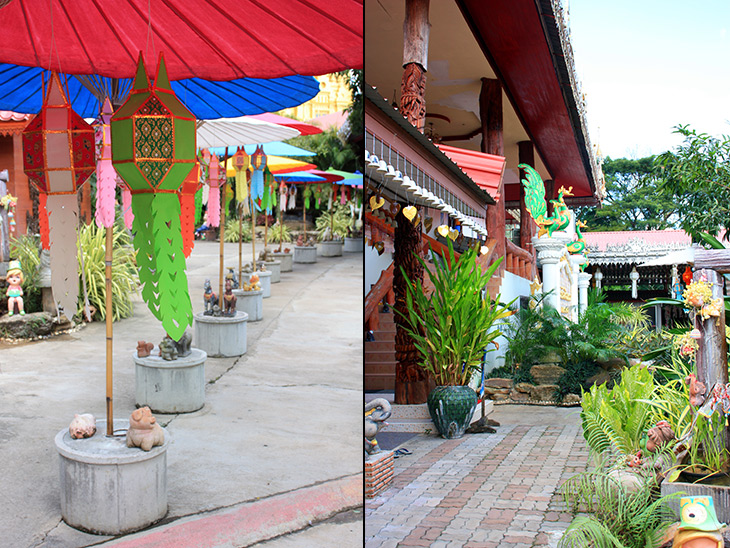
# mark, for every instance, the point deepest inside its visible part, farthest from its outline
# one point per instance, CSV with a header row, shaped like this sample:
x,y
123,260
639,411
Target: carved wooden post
x,y
411,382
415,63
490,110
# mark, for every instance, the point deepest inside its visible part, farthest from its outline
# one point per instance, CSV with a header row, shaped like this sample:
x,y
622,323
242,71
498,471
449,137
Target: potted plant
x,y
451,328
332,227
354,242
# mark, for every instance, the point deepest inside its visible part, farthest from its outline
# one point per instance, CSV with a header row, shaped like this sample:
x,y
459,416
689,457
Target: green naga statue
x,y
537,206
578,246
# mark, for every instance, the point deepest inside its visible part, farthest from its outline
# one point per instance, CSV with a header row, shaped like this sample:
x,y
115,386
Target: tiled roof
x,y
486,170
599,241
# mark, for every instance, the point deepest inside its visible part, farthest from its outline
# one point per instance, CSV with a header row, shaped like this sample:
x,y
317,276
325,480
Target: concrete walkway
x,y
277,446
483,490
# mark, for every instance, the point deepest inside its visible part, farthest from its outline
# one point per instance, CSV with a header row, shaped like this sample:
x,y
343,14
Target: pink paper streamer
x,y
214,206
127,208
106,176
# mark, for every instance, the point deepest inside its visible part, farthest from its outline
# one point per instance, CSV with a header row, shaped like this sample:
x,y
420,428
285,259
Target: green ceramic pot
x,y
451,409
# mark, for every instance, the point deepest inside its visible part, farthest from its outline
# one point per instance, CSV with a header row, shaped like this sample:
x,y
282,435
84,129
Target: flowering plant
x,y
686,345
698,295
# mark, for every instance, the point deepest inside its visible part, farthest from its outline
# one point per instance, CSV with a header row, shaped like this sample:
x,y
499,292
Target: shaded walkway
x,y
484,490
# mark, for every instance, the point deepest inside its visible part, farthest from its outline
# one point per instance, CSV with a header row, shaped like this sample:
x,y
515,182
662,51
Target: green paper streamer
x,y
144,245
198,207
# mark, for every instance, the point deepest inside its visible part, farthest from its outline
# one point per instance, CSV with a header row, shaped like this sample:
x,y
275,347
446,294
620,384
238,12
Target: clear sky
x,y
647,66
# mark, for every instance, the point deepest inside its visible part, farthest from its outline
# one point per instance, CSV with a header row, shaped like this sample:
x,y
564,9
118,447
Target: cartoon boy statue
x,y
14,278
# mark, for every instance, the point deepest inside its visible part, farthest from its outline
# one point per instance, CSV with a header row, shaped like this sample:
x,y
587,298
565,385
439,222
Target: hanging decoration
x,y
258,163
127,205
268,186
187,193
240,161
292,202
58,157
106,176
283,191
214,192
153,150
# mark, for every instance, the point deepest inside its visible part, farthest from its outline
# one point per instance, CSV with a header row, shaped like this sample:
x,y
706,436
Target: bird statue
x,y
699,526
537,206
578,246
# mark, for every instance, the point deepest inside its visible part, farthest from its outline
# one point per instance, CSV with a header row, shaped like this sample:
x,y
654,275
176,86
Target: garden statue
x,y
265,255
82,426
144,349
229,300
699,526
168,349
376,412
657,436
578,246
537,206
301,241
253,283
696,390
232,276
144,432
14,293
183,345
210,299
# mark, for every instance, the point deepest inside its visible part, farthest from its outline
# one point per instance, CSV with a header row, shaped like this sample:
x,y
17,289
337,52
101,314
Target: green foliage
x,y
616,419
696,177
279,235
631,201
26,249
331,223
453,326
616,518
92,243
331,150
232,231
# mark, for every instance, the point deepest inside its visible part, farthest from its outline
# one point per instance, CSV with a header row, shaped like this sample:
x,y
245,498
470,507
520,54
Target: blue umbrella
x,y
299,177
273,149
21,91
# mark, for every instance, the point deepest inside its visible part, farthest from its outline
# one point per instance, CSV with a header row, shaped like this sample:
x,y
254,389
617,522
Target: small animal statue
x,y
657,436
144,349
144,432
265,255
699,526
229,300
168,349
232,276
696,390
376,413
301,241
82,426
310,242
210,299
183,345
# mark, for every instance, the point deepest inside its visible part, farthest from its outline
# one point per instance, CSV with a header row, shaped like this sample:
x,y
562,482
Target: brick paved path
x,y
480,491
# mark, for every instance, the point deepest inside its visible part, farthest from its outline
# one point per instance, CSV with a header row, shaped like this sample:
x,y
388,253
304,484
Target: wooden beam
x,y
715,259
490,111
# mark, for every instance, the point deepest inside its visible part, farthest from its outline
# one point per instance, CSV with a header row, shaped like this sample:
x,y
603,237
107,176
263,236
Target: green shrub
x,y
333,223
232,231
277,235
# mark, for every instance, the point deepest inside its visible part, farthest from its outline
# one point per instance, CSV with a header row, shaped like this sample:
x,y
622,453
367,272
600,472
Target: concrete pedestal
x,y
549,252
286,260
330,249
265,280
305,254
108,488
354,245
275,268
221,336
176,386
250,302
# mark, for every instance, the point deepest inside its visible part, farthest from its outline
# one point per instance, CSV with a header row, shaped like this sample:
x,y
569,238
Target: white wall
x,y
374,265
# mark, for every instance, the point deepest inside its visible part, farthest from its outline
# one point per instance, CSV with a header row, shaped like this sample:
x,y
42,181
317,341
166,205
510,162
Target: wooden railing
x,y
382,290
519,262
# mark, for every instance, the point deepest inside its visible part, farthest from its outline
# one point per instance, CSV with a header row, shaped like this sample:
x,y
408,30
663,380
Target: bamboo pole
x,y
108,255
253,231
240,242
281,228
222,228
266,228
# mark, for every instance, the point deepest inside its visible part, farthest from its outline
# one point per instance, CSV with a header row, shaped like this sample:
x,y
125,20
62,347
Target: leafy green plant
x,y
452,326
92,243
232,231
614,516
277,235
333,223
616,419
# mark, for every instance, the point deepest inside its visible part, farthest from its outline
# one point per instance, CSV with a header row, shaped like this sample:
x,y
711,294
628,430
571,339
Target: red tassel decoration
x,y
43,220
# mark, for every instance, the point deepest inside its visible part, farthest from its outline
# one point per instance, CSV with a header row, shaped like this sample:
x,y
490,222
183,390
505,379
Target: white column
x,y
584,280
599,277
575,262
549,251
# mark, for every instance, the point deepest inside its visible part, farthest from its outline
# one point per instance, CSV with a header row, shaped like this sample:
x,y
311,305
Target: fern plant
x,y
614,517
616,419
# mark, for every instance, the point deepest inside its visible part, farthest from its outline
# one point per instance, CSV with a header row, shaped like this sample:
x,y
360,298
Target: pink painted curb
x,y
252,522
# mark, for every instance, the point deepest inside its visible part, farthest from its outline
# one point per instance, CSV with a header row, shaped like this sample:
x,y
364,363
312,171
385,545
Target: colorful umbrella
x,y
303,127
272,149
242,131
277,165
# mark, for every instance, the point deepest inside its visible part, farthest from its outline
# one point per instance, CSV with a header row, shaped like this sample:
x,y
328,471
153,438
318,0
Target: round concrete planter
x,y
251,302
221,336
331,248
286,260
305,254
275,268
354,245
176,386
108,488
265,280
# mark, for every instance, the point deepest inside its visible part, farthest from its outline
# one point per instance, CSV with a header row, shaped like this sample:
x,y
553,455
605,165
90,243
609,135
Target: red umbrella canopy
x,y
210,39
302,127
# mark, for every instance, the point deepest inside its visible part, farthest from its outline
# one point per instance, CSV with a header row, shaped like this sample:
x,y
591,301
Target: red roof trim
x,y
486,170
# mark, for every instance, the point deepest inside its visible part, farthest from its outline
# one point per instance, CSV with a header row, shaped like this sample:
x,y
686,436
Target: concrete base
x,y
286,260
305,254
221,336
330,249
275,268
265,280
250,302
378,473
354,245
108,488
176,386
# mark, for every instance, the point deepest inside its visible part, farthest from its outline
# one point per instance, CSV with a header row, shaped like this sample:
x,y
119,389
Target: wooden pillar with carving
x,y
415,63
549,194
490,111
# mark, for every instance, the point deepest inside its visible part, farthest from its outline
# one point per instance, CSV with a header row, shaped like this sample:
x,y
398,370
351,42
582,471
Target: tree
x,y
631,201
696,178
331,150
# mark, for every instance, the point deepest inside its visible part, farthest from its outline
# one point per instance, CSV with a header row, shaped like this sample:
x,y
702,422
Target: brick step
x,y
383,368
379,355
378,382
380,345
383,336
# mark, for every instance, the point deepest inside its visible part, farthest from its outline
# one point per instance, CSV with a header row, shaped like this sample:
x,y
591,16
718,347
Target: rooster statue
x,y
537,206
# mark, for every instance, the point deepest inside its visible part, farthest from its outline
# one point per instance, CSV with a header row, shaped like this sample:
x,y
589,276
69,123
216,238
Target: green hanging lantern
x,y
153,150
